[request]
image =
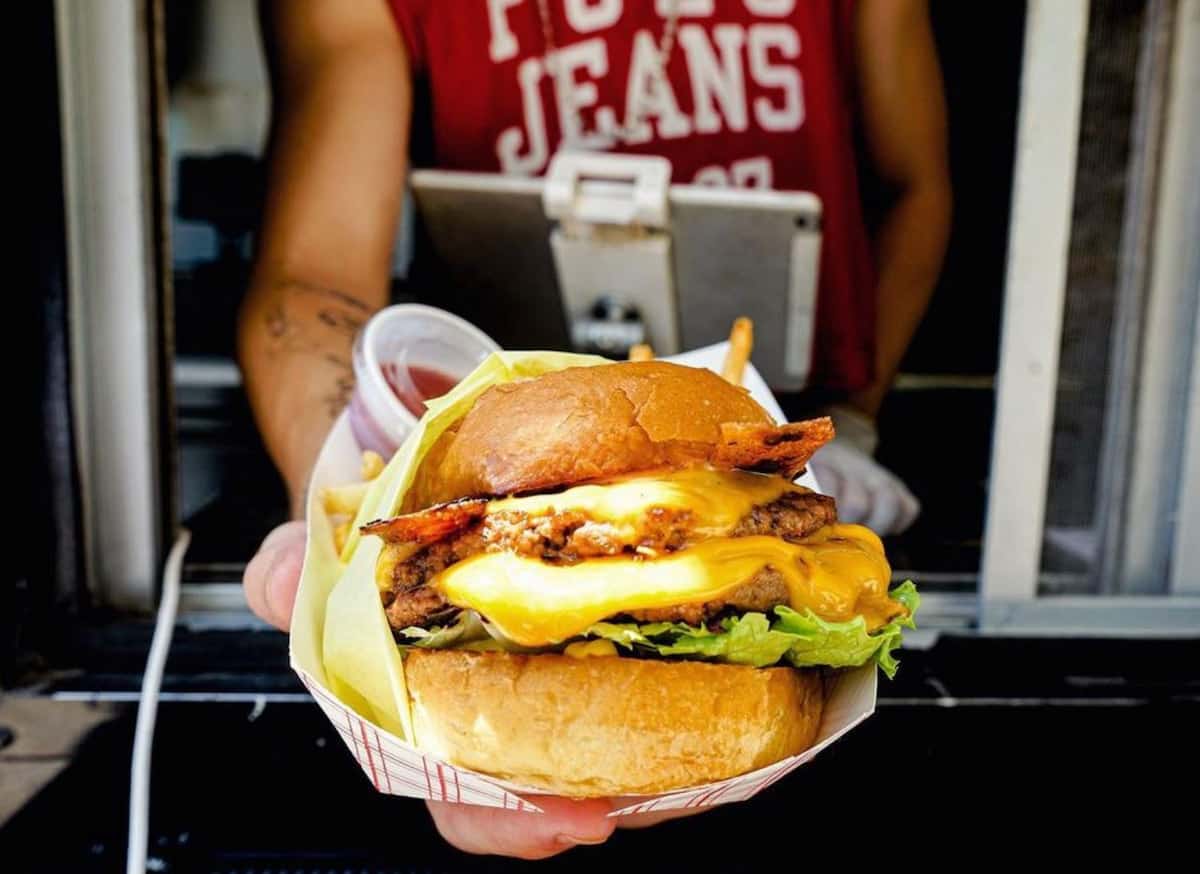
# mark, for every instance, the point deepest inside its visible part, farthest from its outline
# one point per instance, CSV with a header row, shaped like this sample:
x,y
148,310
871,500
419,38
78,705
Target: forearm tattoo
x,y
303,318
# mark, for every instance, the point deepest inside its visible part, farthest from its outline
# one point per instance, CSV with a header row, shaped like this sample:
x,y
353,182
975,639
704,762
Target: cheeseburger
x,y
606,582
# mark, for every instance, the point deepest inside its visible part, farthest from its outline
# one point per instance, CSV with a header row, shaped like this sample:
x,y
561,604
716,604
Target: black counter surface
x,y
981,748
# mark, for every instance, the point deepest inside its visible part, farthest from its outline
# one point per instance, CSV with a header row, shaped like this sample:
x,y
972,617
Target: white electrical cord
x,y
143,735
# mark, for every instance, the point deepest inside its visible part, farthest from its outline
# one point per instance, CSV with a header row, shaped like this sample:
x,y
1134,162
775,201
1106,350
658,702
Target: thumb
x,y
273,575
492,830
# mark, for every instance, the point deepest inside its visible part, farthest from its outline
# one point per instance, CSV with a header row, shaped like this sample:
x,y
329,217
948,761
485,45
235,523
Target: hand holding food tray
x,y
632,650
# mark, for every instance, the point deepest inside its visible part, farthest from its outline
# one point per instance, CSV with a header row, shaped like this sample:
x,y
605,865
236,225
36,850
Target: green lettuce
x,y
800,639
466,628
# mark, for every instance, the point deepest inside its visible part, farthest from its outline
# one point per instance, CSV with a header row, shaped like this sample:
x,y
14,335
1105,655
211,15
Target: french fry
x,y
340,532
341,503
372,465
741,341
641,352
343,500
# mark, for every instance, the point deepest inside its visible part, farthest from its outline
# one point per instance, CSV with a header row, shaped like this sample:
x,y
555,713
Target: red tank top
x,y
757,93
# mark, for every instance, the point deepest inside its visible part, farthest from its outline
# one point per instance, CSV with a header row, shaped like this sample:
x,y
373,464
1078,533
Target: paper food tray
x,y
397,767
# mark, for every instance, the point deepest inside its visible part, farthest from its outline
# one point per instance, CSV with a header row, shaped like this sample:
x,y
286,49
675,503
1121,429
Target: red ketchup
x,y
416,384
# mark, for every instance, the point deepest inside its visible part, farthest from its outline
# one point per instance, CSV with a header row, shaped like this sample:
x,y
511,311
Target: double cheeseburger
x,y
606,582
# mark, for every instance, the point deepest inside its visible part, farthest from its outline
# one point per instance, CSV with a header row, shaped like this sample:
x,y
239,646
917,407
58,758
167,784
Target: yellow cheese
x,y
717,499
590,649
839,573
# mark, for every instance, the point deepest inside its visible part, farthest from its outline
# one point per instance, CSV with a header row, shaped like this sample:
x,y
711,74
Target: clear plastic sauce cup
x,y
405,355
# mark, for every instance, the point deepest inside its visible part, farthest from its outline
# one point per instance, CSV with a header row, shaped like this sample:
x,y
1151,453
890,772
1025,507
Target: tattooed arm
x,y
339,141
295,339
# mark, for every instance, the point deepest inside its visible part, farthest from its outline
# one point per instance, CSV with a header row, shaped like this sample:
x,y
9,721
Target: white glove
x,y
866,492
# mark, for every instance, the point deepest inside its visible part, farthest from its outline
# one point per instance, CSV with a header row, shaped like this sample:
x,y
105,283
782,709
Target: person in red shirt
x,y
755,93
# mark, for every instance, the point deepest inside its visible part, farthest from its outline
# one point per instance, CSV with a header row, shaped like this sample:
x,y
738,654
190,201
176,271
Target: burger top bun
x,y
581,424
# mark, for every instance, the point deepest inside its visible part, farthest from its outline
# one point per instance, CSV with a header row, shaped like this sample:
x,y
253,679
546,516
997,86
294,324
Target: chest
x,y
693,79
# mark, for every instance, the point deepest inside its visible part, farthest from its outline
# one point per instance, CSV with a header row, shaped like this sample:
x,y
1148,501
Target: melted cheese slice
x,y
839,573
717,499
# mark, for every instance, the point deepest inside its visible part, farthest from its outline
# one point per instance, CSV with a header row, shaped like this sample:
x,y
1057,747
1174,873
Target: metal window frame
x,y
1138,534
1039,237
1185,557
1177,264
1051,96
115,336
1138,428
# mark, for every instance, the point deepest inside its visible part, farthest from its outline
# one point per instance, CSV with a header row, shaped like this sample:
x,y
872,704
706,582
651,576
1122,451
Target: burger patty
x,y
572,537
764,590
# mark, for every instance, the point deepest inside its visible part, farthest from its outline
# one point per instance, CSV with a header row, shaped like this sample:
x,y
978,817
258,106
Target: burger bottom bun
x,y
608,725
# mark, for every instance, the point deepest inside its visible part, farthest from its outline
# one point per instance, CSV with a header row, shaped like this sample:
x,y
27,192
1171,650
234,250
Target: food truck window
x,y
230,496
1041,415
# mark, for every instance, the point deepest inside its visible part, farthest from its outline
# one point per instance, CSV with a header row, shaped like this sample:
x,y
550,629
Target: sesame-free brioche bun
x,y
607,726
592,423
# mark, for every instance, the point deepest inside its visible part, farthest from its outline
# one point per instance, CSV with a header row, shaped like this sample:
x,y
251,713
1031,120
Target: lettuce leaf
x,y
465,629
800,639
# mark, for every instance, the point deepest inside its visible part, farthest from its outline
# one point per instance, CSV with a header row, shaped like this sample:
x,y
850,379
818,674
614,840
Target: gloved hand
x,y
866,492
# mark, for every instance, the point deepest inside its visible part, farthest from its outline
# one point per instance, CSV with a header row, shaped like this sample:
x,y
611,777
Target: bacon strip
x,y
778,449
781,449
429,526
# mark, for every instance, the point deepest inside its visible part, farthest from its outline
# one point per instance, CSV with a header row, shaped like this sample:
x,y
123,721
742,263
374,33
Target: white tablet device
x,y
483,249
